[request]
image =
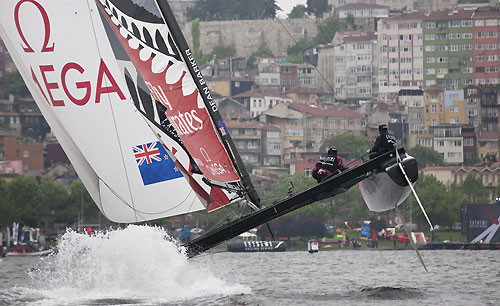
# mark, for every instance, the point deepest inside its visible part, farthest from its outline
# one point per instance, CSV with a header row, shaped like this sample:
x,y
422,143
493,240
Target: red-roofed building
x,y
308,95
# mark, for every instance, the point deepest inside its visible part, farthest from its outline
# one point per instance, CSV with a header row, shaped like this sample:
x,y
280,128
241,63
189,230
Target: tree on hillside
x,y
195,32
350,206
317,7
14,84
298,11
25,196
219,10
426,156
223,51
263,51
348,144
8,212
442,208
473,191
280,188
327,29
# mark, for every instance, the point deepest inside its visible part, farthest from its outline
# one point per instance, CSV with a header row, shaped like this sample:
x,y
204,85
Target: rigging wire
x,y
331,88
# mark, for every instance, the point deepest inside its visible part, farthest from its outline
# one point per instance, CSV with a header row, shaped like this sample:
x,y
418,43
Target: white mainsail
x,y
62,52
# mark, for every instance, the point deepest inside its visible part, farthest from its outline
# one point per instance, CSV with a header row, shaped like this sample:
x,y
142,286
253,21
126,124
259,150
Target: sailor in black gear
x,y
384,142
328,165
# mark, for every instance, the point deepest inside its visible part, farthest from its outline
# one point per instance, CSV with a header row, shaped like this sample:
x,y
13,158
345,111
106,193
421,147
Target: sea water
x,y
140,265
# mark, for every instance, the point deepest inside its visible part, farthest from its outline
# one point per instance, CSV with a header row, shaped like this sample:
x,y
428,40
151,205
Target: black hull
x,y
330,187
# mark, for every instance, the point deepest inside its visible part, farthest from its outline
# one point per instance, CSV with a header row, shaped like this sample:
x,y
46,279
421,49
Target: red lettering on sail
x,y
50,86
38,83
80,85
46,23
103,69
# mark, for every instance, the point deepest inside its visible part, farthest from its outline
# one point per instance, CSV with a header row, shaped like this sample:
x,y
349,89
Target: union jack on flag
x,y
146,153
154,163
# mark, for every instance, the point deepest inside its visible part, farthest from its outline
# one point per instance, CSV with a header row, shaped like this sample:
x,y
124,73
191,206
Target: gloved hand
x,y
321,171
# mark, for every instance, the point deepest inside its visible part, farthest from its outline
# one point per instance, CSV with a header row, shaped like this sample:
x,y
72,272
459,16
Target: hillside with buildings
x,y
430,69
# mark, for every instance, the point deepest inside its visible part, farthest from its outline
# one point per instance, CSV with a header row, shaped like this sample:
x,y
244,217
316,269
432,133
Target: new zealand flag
x,y
154,163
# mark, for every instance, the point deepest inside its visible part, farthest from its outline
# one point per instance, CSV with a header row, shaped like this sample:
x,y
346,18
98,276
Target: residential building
x,y
309,95
32,121
448,141
489,176
231,109
319,123
288,76
488,143
472,96
413,99
229,87
259,101
489,108
291,127
434,106
326,56
470,143
269,77
9,116
486,45
234,67
400,59
31,154
362,10
448,48
307,76
250,138
454,106
434,5
355,64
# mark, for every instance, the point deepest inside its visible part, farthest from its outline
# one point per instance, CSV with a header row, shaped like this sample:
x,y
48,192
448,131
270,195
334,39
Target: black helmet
x,y
332,151
382,128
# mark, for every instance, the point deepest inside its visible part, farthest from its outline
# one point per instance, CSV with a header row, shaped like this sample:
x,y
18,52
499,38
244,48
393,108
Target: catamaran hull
x,y
388,188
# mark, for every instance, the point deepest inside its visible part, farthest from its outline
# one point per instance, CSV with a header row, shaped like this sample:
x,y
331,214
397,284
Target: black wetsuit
x,y
384,142
327,166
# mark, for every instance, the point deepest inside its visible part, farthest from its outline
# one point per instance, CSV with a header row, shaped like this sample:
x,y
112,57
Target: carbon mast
x,y
222,132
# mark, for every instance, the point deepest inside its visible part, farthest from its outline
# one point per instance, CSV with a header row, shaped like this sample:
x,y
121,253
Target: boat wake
x,y
136,265
391,293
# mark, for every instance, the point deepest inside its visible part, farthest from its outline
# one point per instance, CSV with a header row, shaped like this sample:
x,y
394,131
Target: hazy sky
x,y
287,6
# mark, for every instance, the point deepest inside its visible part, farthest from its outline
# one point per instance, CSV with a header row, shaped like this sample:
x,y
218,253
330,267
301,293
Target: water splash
x,y
137,263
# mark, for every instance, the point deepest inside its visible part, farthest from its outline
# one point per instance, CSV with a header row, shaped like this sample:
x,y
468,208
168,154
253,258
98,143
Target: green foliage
x,y
298,11
327,29
350,22
263,51
317,7
80,198
280,189
352,145
24,193
442,204
473,191
195,32
218,10
426,156
223,51
350,206
14,84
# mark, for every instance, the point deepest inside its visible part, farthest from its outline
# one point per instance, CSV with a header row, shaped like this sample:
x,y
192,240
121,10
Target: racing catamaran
x,y
121,90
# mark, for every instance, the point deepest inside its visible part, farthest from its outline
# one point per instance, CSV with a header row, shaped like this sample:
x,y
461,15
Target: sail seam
x,y
113,114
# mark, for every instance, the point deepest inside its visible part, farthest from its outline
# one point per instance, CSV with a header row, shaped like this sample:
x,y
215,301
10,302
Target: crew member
x,y
384,142
328,165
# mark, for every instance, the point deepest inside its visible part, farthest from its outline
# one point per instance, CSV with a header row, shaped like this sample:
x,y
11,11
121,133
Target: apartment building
x,y
257,142
489,108
486,44
448,141
362,10
400,54
488,143
258,101
413,99
472,96
355,63
470,143
448,48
